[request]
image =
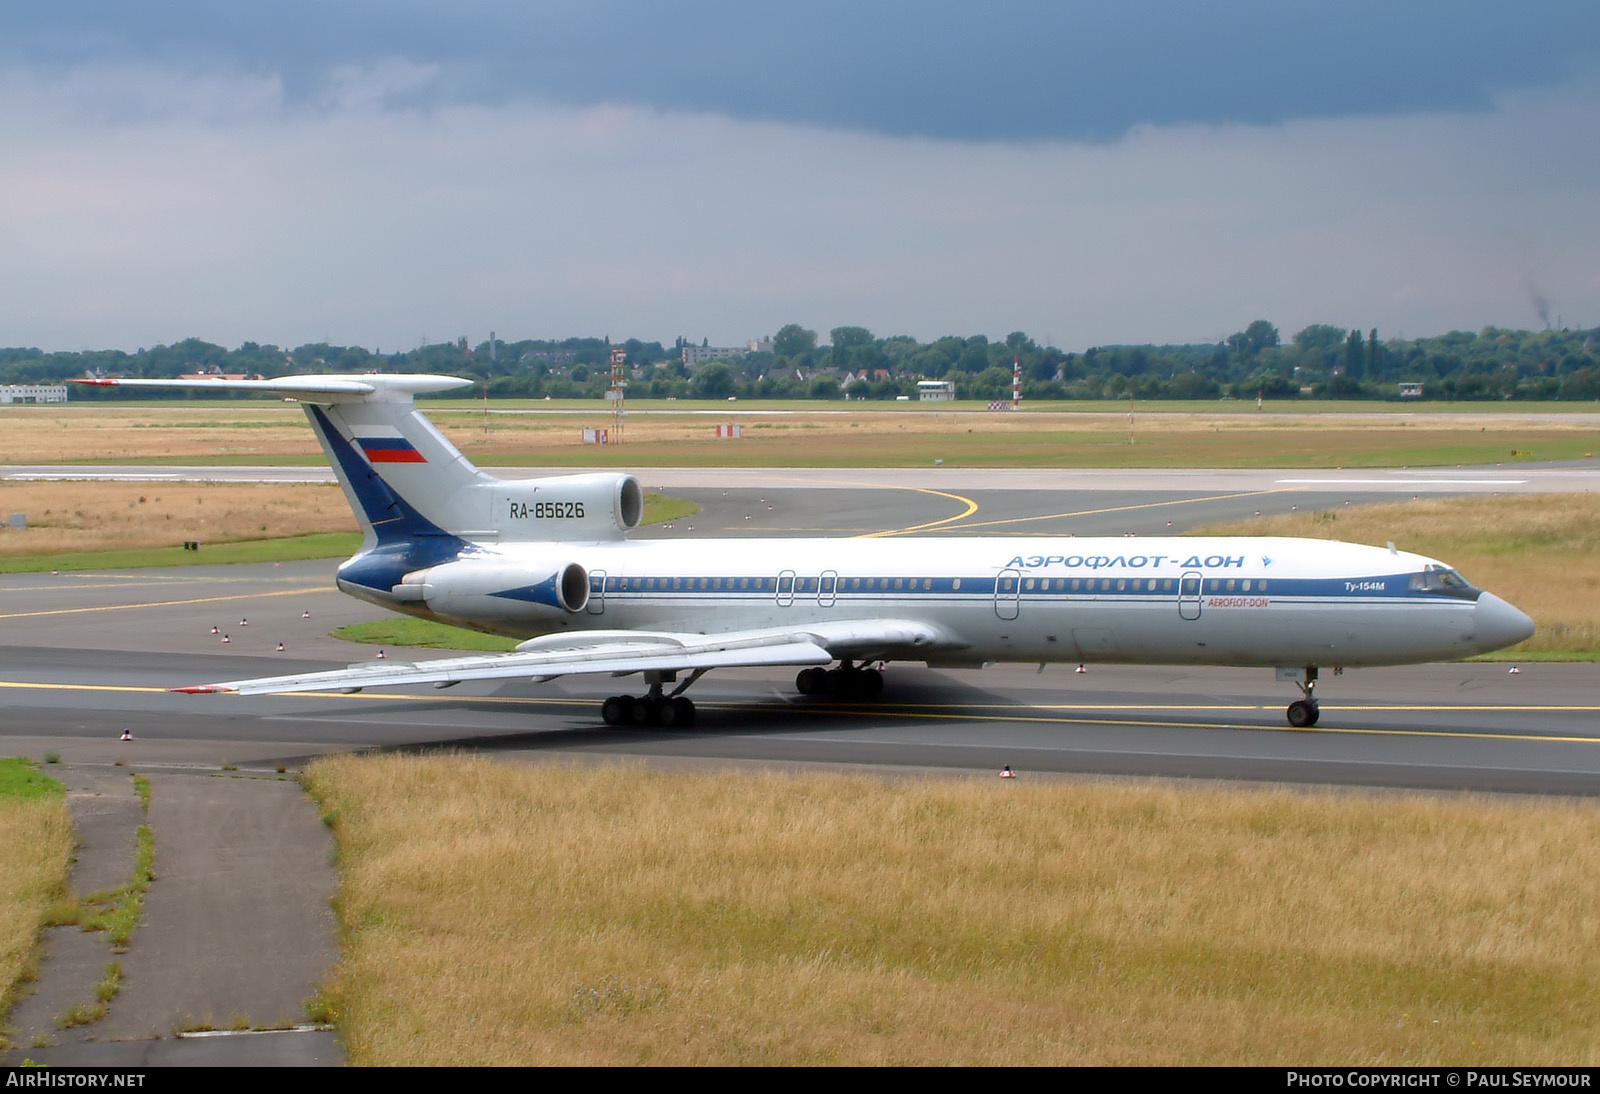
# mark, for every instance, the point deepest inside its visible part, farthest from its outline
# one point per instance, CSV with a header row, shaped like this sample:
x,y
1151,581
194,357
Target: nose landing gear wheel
x,y
1303,714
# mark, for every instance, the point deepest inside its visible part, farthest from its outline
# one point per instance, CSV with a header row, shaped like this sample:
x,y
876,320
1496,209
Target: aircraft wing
x,y
619,653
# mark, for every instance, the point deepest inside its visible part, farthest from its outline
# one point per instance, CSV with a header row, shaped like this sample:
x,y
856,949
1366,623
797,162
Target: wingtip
x,y
202,689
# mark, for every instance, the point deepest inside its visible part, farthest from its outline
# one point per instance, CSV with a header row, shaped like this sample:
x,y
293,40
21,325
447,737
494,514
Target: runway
x,y
1530,478
84,655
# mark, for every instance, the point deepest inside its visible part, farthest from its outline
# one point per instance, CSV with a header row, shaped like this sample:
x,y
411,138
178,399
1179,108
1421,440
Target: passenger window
x,y
955,583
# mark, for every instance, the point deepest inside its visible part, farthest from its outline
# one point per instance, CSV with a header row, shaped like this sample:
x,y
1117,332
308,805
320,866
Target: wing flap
x,y
614,658
621,653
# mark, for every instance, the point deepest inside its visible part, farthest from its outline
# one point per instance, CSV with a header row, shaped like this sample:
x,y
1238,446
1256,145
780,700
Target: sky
x,y
383,174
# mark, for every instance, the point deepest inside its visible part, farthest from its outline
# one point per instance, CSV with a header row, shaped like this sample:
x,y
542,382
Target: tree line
x,y
1321,361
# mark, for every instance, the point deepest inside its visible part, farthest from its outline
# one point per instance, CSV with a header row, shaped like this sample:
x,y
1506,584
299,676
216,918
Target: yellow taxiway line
x,y
1049,714
166,603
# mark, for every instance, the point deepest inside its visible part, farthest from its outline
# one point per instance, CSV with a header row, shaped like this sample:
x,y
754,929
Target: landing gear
x,y
647,711
653,708
1303,713
844,682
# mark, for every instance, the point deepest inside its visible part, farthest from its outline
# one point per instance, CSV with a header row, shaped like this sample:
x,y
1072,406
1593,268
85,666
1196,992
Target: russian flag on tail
x,y
384,444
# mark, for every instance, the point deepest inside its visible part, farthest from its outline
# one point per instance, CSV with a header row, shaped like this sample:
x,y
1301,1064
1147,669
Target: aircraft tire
x,y
1303,715
677,713
617,710
812,681
646,713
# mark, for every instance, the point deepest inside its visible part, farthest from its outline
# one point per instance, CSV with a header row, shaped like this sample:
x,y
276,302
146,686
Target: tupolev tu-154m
x,y
548,561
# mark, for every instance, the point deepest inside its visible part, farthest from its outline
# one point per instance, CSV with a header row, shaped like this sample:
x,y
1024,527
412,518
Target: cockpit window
x,y
1445,582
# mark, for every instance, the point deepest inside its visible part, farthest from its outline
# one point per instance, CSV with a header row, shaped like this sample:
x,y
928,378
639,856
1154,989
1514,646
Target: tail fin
x,y
401,476
408,485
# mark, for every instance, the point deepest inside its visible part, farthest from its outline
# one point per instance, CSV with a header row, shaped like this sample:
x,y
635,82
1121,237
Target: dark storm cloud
x,y
934,68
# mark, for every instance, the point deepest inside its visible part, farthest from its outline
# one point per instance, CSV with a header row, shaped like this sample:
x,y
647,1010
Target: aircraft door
x,y
1007,594
1190,586
786,588
597,592
827,587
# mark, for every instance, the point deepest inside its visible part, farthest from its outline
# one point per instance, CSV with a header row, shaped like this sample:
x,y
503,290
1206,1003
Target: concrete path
x,y
237,929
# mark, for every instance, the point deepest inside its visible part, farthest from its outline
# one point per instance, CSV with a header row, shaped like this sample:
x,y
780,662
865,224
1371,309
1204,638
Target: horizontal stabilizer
x,y
329,389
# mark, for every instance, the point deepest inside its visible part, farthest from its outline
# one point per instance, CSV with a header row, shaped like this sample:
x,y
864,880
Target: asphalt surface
x,y
237,930
83,654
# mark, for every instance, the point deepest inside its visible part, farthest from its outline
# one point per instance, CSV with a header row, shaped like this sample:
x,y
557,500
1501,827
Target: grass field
x,y
841,435
120,525
36,845
1537,551
506,914
405,631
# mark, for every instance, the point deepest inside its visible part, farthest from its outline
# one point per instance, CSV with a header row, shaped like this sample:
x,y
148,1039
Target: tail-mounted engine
x,y
475,590
567,507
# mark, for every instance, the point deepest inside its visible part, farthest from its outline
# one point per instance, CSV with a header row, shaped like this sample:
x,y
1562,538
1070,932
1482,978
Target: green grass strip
x,y
657,508
287,549
115,911
21,780
660,508
423,632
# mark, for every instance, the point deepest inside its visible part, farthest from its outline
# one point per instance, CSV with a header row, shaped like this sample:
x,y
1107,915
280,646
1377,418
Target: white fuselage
x,y
1225,601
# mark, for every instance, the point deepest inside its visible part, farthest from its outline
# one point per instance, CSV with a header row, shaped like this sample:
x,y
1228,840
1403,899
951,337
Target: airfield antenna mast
x,y
619,384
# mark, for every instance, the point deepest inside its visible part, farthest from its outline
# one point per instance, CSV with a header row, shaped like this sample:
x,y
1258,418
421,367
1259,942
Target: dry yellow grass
x,y
502,914
1538,551
52,434
36,845
66,517
853,434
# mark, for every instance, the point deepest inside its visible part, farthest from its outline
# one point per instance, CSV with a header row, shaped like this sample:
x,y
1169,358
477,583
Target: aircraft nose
x,y
1496,624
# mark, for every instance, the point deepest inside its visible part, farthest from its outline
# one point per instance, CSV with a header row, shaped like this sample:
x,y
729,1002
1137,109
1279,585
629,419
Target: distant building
x,y
1410,390
699,355
33,393
936,391
550,356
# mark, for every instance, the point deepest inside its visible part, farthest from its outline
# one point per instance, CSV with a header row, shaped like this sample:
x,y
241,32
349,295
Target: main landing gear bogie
x,y
841,683
648,711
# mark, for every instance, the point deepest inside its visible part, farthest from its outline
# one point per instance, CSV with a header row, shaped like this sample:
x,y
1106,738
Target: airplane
x,y
547,561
